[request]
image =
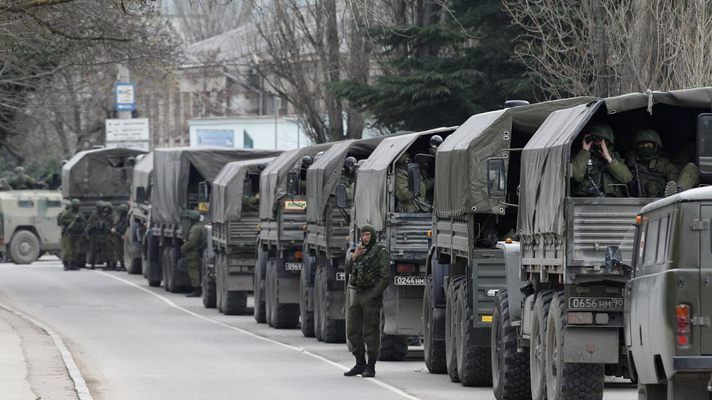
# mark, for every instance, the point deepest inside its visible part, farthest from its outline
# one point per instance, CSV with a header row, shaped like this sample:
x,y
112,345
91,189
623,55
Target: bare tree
x,y
198,20
607,47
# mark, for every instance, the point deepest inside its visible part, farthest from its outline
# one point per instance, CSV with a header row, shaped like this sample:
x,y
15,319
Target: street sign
x,y
132,129
125,96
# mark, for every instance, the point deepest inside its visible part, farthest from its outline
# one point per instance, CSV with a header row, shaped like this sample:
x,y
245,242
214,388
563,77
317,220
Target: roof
x,y
697,194
226,199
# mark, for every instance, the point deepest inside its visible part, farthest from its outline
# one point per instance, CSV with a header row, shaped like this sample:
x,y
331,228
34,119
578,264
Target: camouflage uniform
x,y
651,170
593,176
118,234
192,250
689,171
22,181
367,278
4,185
250,203
405,199
73,224
63,237
99,234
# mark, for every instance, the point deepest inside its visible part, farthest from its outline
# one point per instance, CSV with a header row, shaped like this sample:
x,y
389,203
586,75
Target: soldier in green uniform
x,y
22,181
192,250
73,224
118,234
63,236
689,176
598,170
651,169
347,177
98,232
4,185
406,202
367,277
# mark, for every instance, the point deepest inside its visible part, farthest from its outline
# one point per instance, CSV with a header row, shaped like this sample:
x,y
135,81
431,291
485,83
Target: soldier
x,y
63,237
347,177
651,170
4,185
406,201
118,234
367,277
689,172
307,162
22,181
598,169
427,168
98,232
192,250
73,224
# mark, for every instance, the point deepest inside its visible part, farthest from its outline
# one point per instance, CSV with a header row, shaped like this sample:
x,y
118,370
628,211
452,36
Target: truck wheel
x,y
318,315
269,294
24,247
165,270
234,302
564,380
259,289
209,294
452,326
510,369
434,350
537,348
282,316
134,266
219,282
474,363
307,317
332,330
652,392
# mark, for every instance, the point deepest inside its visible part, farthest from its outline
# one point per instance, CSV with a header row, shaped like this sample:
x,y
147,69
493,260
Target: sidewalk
x,y
13,370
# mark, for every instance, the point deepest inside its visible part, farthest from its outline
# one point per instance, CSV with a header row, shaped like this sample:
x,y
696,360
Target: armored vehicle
x,y
379,197
98,175
234,222
280,244
464,268
321,293
562,307
28,224
182,180
668,304
139,209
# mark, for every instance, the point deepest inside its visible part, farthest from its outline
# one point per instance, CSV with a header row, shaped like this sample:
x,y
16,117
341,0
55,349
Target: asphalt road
x,y
135,342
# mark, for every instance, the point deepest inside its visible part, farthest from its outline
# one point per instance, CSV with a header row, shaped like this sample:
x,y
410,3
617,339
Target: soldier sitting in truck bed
x,y
597,169
407,202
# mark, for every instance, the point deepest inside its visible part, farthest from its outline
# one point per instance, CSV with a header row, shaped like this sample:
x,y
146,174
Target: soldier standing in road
x,y
598,170
367,277
118,234
63,237
192,250
98,232
406,200
651,169
73,224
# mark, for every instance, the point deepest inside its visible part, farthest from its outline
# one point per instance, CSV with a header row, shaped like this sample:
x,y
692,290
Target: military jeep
x,y
28,224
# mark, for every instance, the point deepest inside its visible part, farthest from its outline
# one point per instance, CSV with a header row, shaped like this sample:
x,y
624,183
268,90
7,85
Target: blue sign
x,y
215,137
125,93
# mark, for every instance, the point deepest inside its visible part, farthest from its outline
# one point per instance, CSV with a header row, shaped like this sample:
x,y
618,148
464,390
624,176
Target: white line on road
x,y
80,386
301,350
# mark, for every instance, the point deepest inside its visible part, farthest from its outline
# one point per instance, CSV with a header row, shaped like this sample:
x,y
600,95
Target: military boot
x,y
197,292
66,266
370,370
358,368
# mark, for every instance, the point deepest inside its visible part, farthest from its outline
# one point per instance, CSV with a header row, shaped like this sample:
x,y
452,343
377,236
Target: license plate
x,y
596,303
341,276
293,266
295,205
409,281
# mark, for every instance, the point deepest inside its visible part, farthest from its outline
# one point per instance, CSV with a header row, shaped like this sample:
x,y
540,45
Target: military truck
x,y
234,223
405,234
667,307
280,243
464,269
561,312
139,209
28,224
98,175
182,180
321,292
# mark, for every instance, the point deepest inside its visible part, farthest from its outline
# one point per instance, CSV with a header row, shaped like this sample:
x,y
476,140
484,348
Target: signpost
x,y
125,96
132,133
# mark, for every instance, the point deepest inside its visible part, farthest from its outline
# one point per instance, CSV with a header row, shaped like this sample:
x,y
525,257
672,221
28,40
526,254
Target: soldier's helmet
x,y
307,161
647,135
19,170
123,208
99,205
192,215
404,159
350,163
435,141
601,129
75,203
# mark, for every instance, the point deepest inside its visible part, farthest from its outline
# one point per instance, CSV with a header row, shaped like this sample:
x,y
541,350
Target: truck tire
x,y
279,316
474,363
209,294
269,294
452,326
537,348
434,350
154,283
234,302
318,315
652,392
259,288
574,381
165,266
307,317
510,369
331,330
134,266
24,247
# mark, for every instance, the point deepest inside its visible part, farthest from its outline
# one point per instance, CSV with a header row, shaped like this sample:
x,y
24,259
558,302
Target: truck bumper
x,y
692,363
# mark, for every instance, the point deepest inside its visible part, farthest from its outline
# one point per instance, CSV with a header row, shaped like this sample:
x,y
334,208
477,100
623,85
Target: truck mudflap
x,y
403,310
591,345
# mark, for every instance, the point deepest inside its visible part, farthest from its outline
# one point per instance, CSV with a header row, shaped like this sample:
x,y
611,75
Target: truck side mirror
x,y
496,179
341,196
203,192
704,143
292,184
247,187
141,194
414,178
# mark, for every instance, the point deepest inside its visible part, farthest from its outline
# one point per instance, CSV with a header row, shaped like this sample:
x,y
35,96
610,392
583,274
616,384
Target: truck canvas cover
x,y
171,174
461,161
142,175
102,173
324,175
273,180
543,186
371,190
226,199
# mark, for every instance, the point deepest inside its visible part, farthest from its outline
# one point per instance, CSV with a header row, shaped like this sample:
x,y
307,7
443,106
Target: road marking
x,y
80,385
301,350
